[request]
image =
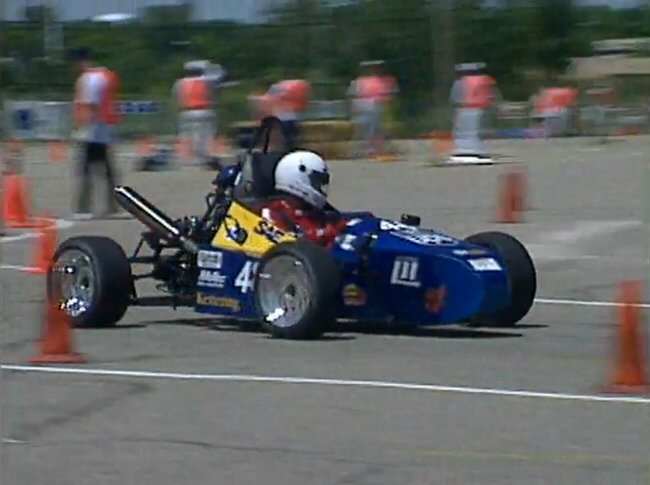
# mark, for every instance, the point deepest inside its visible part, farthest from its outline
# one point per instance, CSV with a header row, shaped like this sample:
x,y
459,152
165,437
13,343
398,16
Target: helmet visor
x,y
320,181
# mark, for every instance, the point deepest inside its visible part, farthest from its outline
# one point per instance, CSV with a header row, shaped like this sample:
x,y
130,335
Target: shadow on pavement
x,y
342,330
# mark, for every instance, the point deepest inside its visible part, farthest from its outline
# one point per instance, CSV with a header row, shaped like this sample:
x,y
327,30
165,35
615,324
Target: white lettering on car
x,y
405,272
415,235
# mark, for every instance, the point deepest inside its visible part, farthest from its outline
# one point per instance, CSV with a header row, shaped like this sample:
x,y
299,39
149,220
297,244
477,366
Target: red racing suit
x,y
287,212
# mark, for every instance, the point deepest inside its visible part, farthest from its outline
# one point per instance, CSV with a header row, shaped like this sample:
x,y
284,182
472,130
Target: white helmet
x,y
305,175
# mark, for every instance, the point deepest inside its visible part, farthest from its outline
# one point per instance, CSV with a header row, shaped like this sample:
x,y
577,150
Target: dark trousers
x,y
94,155
290,132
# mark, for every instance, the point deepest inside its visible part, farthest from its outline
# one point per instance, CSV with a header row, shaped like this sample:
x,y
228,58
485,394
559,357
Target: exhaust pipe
x,y
151,217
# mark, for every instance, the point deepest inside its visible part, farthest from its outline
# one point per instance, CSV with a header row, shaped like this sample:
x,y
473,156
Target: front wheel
x,y
91,278
296,289
521,275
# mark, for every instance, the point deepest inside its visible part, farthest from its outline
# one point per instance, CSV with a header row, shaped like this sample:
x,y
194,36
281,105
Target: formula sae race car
x,y
234,264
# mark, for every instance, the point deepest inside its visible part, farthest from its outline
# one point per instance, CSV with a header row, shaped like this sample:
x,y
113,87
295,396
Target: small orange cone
x,y
511,197
519,189
56,345
15,212
441,142
145,146
220,146
385,157
45,248
57,151
522,174
629,373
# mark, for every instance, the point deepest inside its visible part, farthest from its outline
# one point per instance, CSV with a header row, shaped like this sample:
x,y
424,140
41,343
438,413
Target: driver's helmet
x,y
303,174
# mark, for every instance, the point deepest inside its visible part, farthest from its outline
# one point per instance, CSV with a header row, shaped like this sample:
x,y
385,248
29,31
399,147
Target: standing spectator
x,y
554,109
288,99
369,94
195,99
95,112
473,94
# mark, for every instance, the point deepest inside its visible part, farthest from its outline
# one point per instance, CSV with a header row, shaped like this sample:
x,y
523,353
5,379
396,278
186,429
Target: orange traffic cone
x,y
56,345
220,146
629,373
15,211
385,157
145,146
511,197
522,174
441,142
45,248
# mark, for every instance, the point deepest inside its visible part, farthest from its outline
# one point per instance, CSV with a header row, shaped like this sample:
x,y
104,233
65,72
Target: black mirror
x,y
410,220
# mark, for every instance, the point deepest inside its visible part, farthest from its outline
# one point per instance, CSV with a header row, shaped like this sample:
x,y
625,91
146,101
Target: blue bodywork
x,y
390,271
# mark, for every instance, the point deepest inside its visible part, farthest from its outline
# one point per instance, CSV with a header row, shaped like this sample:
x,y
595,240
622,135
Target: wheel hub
x,y
284,291
73,282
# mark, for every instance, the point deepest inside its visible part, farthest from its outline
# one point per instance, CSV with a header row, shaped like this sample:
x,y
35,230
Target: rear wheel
x,y
91,278
521,274
296,290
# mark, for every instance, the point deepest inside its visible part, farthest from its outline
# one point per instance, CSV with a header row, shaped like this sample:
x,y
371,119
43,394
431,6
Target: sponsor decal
x,y
269,231
209,259
485,264
434,299
426,238
469,252
219,302
416,235
234,230
354,295
385,225
211,279
346,242
405,272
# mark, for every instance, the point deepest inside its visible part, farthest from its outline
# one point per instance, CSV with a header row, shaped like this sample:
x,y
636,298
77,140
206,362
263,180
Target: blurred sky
x,y
614,3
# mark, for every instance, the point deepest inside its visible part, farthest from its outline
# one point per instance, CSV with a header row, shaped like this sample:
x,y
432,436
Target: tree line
x,y
524,43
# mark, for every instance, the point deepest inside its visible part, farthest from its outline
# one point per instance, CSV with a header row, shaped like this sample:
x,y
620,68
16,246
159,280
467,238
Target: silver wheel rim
x,y
73,282
283,291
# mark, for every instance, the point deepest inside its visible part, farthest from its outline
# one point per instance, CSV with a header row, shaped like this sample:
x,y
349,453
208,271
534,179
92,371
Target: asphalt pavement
x,y
171,397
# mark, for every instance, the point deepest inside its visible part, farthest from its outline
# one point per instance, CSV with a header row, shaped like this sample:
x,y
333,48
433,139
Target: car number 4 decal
x,y
246,277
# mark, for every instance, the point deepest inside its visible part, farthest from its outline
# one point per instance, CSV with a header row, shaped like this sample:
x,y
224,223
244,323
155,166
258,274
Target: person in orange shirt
x,y
369,94
286,100
553,108
95,112
473,94
195,100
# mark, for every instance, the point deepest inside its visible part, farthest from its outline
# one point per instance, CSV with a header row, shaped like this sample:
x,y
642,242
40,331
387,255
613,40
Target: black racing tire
x,y
323,281
112,280
521,274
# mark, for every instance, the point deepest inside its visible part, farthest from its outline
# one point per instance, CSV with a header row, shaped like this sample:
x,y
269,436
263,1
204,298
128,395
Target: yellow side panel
x,y
245,231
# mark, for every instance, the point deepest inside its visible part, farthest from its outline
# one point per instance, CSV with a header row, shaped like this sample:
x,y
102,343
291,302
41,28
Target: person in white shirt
x,y
94,114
